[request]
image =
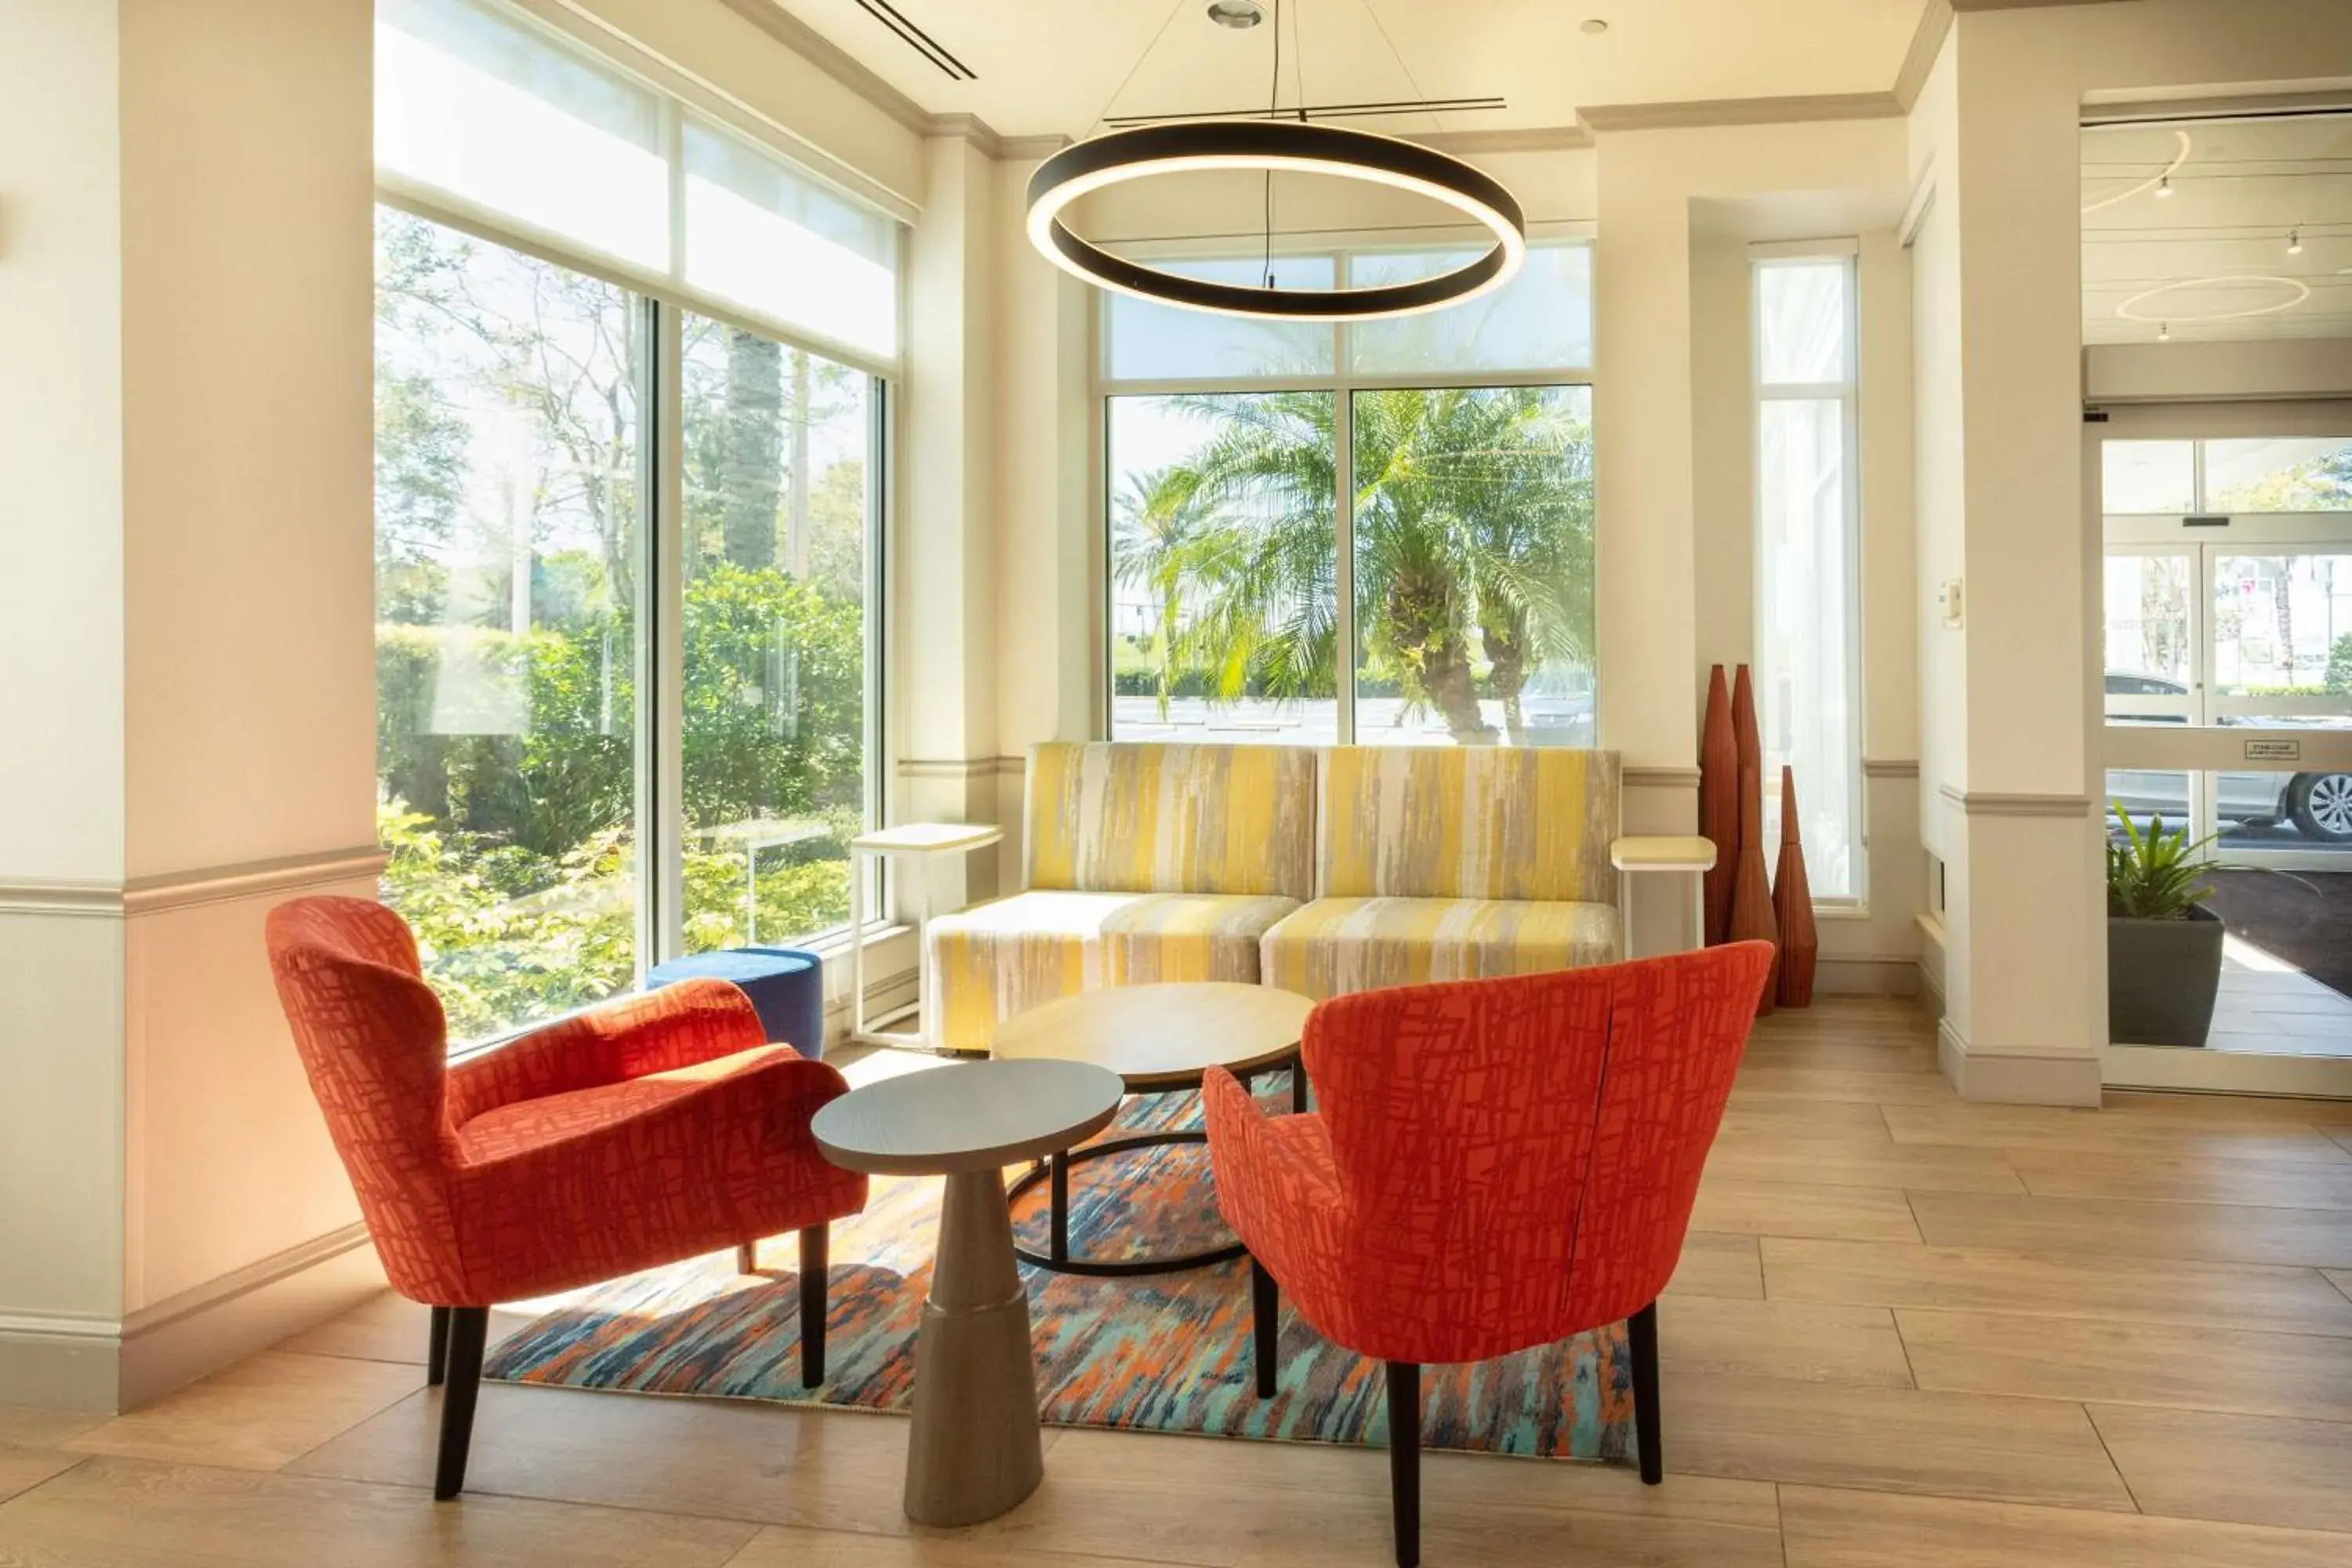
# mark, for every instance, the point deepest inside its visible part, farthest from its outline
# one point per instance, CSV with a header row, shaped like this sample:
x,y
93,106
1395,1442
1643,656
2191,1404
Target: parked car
x,y
2318,804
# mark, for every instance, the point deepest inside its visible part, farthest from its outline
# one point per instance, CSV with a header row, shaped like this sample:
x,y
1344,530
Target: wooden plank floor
x,y
1908,1331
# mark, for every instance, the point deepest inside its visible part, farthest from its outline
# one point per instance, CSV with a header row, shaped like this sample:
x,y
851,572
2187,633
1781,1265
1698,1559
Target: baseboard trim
x,y
2015,1078
71,1361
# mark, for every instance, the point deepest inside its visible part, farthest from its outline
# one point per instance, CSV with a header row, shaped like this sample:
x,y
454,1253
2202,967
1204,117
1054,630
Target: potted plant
x,y
2164,947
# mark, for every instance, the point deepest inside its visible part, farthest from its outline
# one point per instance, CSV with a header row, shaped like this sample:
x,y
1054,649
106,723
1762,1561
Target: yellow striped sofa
x,y
1144,863
1150,862
1452,864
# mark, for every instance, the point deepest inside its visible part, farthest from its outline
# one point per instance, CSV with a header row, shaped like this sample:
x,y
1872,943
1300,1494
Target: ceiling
x,y
2240,189
1053,67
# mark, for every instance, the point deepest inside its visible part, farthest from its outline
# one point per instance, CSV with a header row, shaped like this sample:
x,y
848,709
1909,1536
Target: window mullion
x,y
661,794
1343,565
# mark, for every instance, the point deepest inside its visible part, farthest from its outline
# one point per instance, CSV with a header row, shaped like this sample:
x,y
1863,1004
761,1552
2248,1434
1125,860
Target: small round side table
x,y
1158,1038
975,1450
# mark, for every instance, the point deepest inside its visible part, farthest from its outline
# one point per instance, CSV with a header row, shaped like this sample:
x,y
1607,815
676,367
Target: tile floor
x,y
1906,1333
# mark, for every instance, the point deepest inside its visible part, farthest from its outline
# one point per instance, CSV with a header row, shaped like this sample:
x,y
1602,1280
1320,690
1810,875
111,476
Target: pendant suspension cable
x,y
1124,82
1370,10
1273,105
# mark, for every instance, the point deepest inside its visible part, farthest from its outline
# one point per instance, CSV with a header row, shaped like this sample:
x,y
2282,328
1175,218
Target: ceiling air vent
x,y
917,39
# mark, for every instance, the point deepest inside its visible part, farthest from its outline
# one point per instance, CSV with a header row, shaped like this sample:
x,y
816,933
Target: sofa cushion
x,y
1109,818
1337,945
1469,821
1002,958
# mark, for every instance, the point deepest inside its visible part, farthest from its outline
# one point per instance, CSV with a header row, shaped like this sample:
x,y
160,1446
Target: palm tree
x,y
1159,530
1472,551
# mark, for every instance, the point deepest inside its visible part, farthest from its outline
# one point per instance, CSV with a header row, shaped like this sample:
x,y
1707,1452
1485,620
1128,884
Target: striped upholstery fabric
x,y
1335,946
1469,821
1106,818
990,963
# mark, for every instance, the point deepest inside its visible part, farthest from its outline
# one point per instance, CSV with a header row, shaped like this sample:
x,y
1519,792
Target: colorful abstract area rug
x,y
1166,1353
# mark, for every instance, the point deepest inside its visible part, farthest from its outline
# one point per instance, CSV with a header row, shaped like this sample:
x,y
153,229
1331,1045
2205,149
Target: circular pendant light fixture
x,y
1275,146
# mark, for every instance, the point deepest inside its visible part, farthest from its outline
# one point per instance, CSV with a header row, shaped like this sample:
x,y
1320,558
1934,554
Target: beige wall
x,y
2011,743
205,603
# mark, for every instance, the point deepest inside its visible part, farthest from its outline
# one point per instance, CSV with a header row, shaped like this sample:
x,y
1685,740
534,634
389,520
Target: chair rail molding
x,y
1994,802
1890,768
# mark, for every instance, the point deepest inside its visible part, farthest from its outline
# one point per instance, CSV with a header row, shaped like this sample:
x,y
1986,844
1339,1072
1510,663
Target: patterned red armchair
x,y
1494,1164
652,1128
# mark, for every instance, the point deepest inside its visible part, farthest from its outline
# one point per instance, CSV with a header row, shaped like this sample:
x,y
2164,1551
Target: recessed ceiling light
x,y
1236,13
1592,25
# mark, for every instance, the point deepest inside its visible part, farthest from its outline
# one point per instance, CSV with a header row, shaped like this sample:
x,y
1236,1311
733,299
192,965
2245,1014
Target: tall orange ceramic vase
x,y
1751,898
1793,907
1719,802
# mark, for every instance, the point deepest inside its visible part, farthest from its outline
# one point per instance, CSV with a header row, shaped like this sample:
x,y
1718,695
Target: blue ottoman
x,y
786,985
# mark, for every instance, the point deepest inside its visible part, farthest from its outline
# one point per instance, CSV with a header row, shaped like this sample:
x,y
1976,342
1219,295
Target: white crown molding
x,y
2026,5
1927,42
862,80
1529,139
1603,118
833,60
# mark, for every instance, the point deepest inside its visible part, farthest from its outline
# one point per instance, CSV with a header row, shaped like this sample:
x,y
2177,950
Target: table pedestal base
x,y
975,1450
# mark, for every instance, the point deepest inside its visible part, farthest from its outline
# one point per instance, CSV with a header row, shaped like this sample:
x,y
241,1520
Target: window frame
x,y
662,299
1846,392
1343,382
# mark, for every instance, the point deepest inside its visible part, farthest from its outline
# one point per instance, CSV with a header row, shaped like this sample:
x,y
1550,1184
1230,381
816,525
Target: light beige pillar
x,y
186,673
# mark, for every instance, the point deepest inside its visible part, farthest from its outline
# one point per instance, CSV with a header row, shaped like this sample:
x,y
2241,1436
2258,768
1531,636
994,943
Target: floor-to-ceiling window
x,y
1808,662
632,389
1446,599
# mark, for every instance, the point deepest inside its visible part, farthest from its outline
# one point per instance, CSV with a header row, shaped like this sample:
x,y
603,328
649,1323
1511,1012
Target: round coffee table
x,y
1158,1038
975,1450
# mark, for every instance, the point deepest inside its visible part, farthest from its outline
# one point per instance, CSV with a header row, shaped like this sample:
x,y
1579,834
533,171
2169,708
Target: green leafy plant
x,y
2154,874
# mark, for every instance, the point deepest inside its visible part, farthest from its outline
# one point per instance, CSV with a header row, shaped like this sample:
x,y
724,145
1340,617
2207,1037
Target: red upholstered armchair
x,y
655,1128
1494,1164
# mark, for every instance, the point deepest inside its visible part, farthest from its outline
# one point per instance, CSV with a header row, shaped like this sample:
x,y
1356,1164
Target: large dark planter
x,y
2161,978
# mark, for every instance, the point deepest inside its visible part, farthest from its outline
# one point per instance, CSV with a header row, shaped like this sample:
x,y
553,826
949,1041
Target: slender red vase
x,y
1719,802
1751,896
1792,906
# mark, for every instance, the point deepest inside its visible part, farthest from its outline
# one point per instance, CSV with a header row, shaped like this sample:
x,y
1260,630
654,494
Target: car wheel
x,y
2321,805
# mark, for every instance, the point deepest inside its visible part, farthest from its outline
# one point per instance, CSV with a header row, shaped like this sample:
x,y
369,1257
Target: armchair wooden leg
x,y
468,1328
814,1263
1266,1325
1642,1331
436,1348
747,1257
1404,1460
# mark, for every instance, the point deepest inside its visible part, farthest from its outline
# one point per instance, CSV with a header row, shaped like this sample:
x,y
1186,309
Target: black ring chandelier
x,y
1272,146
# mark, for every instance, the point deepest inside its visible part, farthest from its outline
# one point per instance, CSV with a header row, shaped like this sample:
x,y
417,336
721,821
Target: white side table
x,y
915,840
1676,854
